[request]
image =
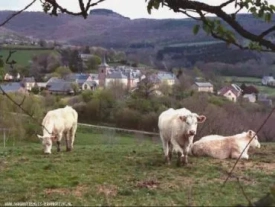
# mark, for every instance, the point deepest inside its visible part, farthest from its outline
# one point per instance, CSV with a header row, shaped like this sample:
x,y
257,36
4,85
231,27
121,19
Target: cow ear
x,y
39,136
201,118
182,118
250,133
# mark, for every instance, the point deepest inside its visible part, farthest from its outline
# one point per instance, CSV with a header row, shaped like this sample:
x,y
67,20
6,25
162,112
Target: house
x,y
78,78
268,80
14,87
250,97
262,98
231,92
168,78
28,82
61,87
203,87
86,57
89,85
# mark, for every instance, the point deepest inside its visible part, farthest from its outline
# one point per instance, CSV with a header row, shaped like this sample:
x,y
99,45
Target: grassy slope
x,y
22,57
108,169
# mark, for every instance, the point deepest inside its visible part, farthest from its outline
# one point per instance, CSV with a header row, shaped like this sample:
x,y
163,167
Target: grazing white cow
x,y
222,147
56,123
177,128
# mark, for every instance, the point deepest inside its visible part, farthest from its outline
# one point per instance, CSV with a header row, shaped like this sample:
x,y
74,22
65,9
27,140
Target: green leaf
x,y
156,4
272,7
220,30
267,17
206,28
261,13
150,6
196,29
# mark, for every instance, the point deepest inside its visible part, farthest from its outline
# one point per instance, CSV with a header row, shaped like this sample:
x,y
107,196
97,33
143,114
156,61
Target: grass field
x,y
110,169
22,57
242,79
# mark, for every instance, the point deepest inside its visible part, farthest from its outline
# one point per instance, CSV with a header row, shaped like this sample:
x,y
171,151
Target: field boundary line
x,y
118,129
104,127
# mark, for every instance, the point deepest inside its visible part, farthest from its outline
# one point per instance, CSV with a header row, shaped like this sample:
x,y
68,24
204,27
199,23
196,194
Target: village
x,y
129,78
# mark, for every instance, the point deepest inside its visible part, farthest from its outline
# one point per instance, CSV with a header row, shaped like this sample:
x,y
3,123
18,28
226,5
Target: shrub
x,y
149,122
128,118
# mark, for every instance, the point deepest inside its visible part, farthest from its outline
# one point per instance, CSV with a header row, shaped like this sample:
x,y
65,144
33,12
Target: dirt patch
x,y
60,191
249,165
107,190
150,184
78,191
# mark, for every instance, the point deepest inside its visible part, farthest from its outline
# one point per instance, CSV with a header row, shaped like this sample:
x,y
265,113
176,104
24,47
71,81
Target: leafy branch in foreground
x,y
215,27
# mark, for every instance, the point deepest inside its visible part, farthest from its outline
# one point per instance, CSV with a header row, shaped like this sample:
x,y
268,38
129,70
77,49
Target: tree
x,y
63,71
93,62
146,86
75,62
86,50
42,43
221,27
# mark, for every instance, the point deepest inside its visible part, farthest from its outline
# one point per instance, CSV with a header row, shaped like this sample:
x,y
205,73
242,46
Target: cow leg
x,y
187,148
166,152
68,142
58,146
59,137
72,135
170,150
178,149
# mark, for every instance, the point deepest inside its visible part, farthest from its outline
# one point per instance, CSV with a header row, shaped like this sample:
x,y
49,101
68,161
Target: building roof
x,y
104,64
203,84
225,89
117,75
11,87
62,86
77,76
28,79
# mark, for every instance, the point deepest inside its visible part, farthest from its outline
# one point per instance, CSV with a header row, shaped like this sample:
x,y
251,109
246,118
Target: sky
x,y
129,8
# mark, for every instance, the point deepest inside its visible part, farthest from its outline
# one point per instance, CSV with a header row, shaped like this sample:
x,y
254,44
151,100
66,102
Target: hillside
x,y
108,29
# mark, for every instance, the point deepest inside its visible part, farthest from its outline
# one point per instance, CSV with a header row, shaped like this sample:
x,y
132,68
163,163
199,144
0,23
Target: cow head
x,y
255,142
191,121
47,142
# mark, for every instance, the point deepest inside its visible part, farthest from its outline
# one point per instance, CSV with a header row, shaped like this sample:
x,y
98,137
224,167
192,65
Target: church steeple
x,y
102,72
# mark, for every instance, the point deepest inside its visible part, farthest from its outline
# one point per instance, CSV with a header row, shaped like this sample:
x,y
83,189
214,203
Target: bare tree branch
x,y
226,3
83,9
229,19
17,13
266,32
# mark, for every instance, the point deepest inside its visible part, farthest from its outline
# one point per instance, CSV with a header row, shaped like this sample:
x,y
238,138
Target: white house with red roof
x,y
231,92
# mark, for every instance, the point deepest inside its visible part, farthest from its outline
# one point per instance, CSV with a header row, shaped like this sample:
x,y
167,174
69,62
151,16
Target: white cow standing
x,y
177,129
56,123
222,147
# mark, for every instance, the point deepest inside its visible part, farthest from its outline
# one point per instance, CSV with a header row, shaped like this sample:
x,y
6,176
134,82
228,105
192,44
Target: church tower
x,y
102,73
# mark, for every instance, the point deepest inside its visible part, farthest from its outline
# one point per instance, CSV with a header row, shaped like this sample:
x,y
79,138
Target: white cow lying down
x,y
177,129
222,147
59,122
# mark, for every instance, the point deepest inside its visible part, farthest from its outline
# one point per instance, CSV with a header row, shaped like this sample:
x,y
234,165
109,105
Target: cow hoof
x,y
68,149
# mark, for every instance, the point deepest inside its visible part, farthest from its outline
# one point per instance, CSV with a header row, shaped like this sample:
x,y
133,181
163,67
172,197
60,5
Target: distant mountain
x,y
109,29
